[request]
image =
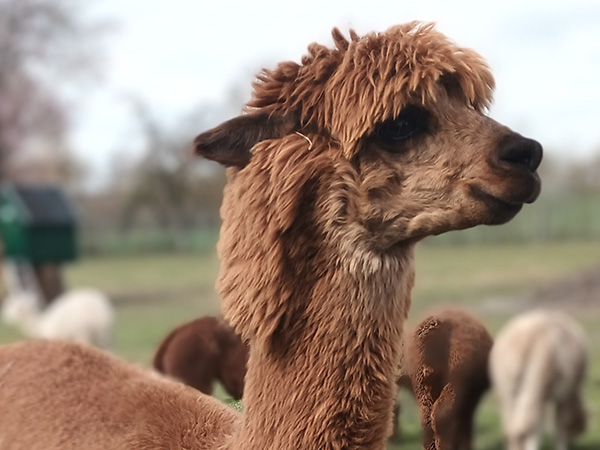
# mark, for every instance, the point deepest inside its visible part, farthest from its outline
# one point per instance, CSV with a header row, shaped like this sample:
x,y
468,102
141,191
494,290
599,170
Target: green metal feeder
x,y
37,224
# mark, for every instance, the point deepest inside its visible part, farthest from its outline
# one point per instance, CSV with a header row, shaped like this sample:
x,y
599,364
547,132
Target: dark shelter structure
x,y
38,226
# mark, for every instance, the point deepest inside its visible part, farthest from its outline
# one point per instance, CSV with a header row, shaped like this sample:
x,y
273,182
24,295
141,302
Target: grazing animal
x,y
341,164
539,361
84,316
446,360
202,351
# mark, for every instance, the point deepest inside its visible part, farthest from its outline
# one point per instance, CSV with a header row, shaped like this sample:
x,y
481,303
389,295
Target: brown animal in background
x,y
341,164
446,359
202,351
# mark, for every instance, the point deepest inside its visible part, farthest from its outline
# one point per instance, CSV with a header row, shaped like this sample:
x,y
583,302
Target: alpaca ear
x,y
231,142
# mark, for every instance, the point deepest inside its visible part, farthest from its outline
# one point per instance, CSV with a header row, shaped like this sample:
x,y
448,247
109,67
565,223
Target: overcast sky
x,y
179,54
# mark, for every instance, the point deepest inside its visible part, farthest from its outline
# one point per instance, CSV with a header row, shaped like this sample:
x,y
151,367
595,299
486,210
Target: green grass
x,y
146,274
155,293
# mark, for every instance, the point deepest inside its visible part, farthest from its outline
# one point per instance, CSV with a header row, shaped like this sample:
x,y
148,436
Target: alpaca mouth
x,y
535,189
527,190
499,210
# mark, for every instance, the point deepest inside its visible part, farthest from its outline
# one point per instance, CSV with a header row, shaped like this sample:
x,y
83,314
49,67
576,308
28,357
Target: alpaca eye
x,y
411,122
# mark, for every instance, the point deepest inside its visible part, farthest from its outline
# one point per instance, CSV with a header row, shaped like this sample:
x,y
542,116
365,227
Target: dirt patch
x,y
580,291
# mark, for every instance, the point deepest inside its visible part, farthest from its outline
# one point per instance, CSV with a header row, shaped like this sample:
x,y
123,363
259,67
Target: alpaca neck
x,y
332,382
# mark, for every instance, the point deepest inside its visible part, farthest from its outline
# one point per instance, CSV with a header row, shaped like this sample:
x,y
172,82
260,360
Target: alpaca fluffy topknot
x,y
347,90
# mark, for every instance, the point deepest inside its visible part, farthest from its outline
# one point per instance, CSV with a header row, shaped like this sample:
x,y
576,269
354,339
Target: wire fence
x,y
557,218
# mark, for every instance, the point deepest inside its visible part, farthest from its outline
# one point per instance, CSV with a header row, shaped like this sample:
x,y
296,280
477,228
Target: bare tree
x,y
165,184
41,41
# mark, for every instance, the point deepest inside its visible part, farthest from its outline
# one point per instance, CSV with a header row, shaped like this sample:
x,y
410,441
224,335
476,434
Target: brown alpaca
x,y
446,359
339,167
202,351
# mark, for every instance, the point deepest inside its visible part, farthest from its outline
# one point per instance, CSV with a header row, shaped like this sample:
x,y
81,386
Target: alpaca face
x,y
433,168
440,167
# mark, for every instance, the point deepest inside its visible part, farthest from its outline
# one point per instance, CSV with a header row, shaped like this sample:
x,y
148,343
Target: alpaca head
x,y
232,368
359,150
232,363
576,417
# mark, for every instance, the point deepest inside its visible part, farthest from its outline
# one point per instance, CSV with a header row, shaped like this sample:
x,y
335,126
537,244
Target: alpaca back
x,y
123,407
85,316
452,346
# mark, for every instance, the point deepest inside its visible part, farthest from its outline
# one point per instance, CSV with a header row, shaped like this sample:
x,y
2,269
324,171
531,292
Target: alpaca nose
x,y
517,150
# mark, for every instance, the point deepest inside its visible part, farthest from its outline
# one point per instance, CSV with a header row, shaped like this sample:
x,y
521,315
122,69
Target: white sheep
x,y
539,362
85,316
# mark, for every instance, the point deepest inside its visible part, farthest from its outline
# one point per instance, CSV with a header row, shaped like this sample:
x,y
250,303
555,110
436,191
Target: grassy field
x,y
155,293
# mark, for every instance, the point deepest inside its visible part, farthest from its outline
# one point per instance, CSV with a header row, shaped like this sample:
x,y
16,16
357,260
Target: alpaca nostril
x,y
520,151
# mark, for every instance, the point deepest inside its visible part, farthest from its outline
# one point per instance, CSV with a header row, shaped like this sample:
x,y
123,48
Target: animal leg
x,y
396,430
532,441
444,416
526,440
425,402
570,420
464,438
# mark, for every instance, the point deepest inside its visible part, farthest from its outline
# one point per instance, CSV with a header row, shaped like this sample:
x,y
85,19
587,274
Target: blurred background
x,y
101,99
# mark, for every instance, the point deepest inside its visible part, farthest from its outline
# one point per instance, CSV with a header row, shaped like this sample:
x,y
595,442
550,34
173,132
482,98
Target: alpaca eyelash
x,y
411,122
